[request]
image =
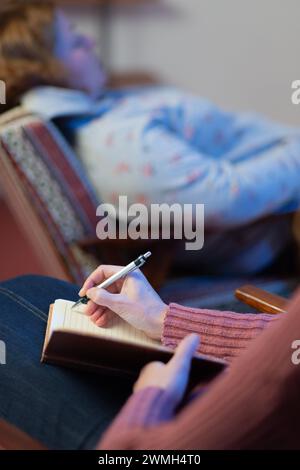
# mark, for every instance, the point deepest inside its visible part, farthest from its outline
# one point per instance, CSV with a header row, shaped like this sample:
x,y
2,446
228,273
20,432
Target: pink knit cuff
x,y
223,335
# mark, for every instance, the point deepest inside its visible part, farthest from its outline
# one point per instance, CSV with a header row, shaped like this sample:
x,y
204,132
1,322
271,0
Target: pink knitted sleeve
x,y
223,334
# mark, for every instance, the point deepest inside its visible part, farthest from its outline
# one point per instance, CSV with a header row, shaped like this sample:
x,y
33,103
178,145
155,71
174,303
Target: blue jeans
x,y
63,408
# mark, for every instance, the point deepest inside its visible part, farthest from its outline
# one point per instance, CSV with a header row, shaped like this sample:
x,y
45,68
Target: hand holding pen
x,y
135,300
123,272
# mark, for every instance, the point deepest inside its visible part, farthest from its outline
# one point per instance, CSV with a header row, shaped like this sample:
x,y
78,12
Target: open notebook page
x,y
64,318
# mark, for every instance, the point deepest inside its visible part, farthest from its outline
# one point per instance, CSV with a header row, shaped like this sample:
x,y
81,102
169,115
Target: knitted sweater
x,y
253,404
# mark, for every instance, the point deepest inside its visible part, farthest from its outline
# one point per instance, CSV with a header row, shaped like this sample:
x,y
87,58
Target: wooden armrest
x,y
11,438
261,300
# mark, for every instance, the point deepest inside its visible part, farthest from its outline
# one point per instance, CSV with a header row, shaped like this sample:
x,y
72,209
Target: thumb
x,y
104,298
185,352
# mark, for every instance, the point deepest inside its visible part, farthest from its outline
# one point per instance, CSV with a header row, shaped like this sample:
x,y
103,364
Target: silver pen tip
x,y
146,255
76,303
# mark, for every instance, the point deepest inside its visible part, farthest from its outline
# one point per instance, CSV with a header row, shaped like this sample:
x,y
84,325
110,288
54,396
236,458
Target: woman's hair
x,y
27,45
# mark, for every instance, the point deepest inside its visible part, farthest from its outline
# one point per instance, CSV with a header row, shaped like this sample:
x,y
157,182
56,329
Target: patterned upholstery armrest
x,y
45,186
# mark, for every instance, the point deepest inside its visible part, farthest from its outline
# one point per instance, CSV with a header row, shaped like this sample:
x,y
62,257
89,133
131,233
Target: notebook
x,y
73,340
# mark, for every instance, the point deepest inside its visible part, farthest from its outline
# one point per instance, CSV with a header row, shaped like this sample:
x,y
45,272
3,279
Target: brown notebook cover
x,y
111,356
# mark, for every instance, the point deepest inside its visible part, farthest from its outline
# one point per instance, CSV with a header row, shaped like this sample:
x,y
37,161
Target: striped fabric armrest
x,y
52,180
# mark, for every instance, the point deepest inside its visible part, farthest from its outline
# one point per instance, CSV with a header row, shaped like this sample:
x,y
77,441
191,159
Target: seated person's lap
x,y
68,408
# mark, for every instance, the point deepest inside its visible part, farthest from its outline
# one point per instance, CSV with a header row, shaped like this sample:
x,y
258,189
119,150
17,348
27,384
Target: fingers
x,y
99,315
185,352
101,318
91,308
149,375
103,297
99,275
95,317
104,320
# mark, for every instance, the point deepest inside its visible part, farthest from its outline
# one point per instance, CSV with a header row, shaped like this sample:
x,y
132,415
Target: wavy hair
x,y
27,45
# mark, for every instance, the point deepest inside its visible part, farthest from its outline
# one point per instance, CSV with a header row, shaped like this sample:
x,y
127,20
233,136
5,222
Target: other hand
x,y
173,376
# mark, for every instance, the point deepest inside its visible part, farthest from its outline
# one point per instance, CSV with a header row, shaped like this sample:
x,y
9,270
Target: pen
x,y
137,263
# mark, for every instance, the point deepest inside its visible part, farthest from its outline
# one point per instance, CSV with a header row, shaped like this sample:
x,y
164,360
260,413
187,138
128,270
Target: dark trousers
x,y
63,408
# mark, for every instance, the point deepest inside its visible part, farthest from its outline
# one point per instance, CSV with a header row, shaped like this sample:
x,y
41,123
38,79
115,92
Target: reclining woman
x,y
156,144
253,404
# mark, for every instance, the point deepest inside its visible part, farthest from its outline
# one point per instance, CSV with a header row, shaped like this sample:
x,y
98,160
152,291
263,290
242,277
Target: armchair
x,y
53,202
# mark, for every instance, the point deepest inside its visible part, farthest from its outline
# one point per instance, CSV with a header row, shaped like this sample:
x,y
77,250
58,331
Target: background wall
x,y
243,54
